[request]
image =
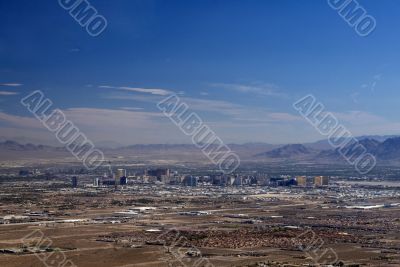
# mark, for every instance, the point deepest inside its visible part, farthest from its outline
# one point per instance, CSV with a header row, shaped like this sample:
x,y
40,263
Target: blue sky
x,y
239,64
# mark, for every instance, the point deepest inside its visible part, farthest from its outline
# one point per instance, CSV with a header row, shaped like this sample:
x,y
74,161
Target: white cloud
x,y
126,127
231,111
282,116
131,108
365,123
11,84
20,121
131,126
111,118
258,89
356,117
198,104
161,92
8,93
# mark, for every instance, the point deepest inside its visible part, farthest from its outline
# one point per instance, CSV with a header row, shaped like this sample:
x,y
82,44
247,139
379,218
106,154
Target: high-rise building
x,y
230,180
120,173
321,181
159,173
190,181
165,179
96,182
238,181
74,182
301,180
123,180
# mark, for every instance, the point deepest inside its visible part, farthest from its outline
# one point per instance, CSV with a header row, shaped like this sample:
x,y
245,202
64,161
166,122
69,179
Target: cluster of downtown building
x,y
165,176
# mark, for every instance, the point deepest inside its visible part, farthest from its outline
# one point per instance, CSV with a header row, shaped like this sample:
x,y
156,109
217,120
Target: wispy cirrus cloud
x,y
11,84
161,92
139,126
6,93
197,104
234,112
74,50
131,108
99,117
20,121
264,89
100,124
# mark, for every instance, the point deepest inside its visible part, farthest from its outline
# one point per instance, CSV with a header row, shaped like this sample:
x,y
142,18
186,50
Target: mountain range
x,y
384,148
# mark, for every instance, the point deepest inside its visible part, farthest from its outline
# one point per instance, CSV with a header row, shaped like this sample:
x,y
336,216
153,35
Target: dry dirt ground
x,y
236,232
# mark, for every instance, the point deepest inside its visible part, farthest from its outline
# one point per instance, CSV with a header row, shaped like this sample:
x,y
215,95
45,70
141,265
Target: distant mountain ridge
x,y
385,149
287,151
12,145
